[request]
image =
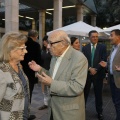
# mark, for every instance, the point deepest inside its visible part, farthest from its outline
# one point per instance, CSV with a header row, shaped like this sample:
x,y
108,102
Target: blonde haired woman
x,y
14,90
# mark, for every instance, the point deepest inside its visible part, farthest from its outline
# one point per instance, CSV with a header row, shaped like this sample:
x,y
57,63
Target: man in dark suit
x,y
95,53
34,53
114,70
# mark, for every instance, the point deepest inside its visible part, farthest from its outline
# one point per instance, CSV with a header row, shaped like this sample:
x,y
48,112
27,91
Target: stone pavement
x,y
108,108
37,101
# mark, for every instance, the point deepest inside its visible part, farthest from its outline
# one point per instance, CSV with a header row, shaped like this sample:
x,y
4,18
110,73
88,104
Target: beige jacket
x,y
116,74
11,94
67,97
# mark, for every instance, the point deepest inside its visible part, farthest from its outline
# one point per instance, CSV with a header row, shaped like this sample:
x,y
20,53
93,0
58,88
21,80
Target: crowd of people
x,y
64,72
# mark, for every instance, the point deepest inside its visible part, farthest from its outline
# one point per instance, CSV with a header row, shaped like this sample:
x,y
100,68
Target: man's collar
x,y
64,52
93,44
115,46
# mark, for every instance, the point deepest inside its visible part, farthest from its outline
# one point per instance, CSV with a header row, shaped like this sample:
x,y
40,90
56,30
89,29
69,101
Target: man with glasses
x,y
34,53
66,80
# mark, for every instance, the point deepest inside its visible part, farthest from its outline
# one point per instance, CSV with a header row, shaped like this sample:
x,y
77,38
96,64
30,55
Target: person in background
x,y
75,43
14,86
113,66
34,53
46,58
45,54
67,78
95,53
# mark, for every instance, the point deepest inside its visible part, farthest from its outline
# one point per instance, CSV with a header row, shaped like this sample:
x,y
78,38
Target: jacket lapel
x,y
89,49
118,52
64,63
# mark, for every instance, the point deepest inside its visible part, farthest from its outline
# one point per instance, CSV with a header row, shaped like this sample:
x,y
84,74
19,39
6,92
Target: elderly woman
x,y
14,90
75,43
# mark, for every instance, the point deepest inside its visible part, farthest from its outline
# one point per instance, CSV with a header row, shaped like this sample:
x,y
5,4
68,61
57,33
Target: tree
x,y
114,7
108,12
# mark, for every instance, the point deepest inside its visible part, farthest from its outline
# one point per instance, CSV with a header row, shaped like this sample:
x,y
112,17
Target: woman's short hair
x,y
45,38
73,39
10,41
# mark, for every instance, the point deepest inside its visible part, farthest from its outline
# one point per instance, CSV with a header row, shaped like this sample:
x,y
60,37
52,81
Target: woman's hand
x,y
34,66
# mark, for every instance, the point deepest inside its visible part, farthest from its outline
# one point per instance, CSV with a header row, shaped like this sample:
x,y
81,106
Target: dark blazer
x,y
100,55
46,58
34,53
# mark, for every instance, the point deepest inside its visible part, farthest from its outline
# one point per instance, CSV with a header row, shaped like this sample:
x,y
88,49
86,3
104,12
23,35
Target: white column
x,y
57,19
80,10
11,15
93,20
41,25
33,24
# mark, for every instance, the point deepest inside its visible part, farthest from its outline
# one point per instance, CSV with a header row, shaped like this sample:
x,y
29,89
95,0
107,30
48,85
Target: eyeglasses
x,y
22,48
51,43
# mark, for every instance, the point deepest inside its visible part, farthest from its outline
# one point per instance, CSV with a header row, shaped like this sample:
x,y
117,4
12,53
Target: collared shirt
x,y
115,48
57,64
94,46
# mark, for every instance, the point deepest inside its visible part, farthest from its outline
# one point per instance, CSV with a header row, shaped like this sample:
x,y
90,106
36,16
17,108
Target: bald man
x,y
66,80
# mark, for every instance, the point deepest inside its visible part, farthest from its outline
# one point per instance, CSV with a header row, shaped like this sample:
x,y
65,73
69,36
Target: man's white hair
x,y
59,35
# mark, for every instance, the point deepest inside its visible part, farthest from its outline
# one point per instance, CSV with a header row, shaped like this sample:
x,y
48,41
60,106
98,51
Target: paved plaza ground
x,y
108,108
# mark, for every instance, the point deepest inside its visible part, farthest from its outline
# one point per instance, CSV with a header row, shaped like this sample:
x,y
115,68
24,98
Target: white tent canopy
x,y
79,28
112,28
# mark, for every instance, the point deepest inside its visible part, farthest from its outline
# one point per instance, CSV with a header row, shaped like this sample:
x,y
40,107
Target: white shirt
x,y
57,64
94,46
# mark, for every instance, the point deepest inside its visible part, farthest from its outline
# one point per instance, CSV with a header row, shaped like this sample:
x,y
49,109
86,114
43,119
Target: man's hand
x,y
92,71
34,66
45,79
103,63
117,68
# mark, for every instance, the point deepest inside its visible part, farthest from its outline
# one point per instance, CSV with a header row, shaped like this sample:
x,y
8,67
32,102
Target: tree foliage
x,y
114,7
108,12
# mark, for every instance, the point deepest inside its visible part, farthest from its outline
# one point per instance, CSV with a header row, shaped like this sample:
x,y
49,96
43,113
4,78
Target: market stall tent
x,y
112,28
79,28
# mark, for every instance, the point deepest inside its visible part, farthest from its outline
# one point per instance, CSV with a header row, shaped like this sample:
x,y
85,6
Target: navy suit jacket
x,y
100,55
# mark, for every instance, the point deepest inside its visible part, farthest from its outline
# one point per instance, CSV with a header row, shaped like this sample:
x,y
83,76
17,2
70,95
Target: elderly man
x,y
67,78
114,70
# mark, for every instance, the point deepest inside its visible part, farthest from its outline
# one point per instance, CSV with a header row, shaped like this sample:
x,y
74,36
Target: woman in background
x,y
14,88
46,59
45,54
75,43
